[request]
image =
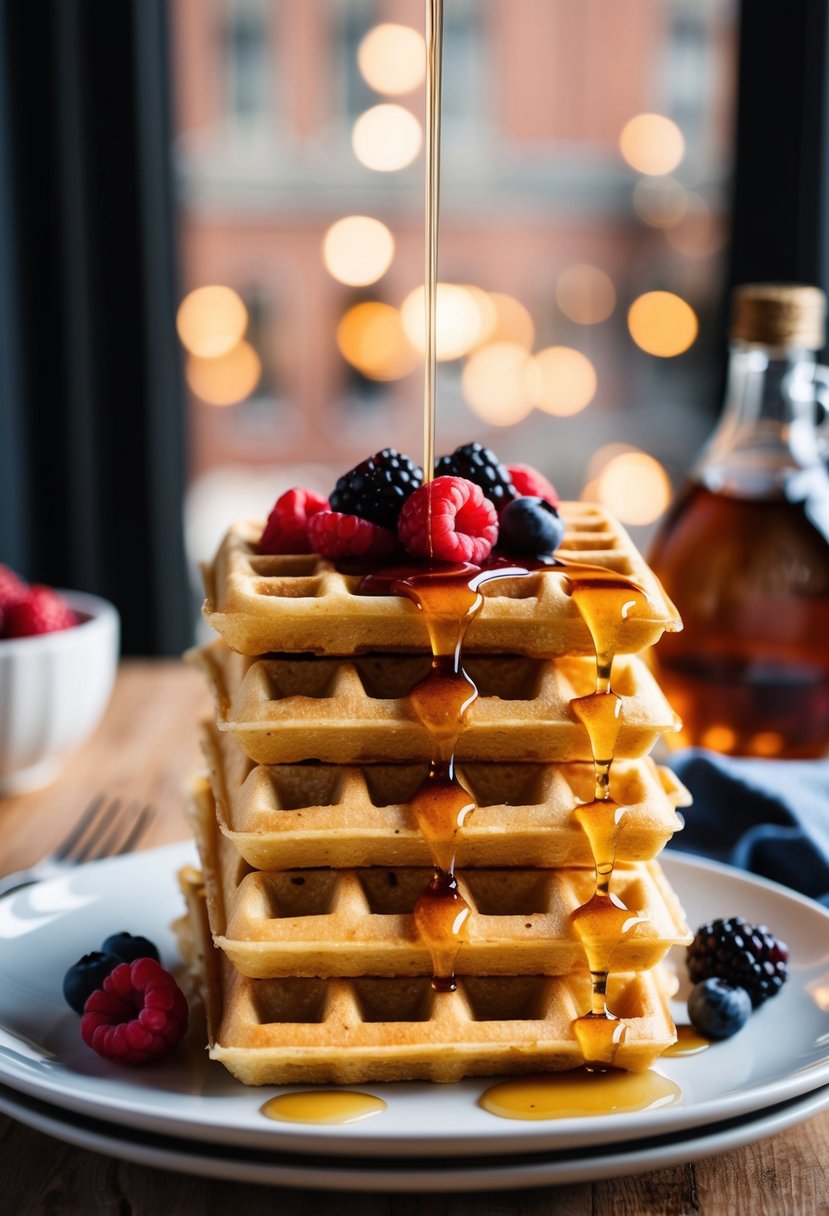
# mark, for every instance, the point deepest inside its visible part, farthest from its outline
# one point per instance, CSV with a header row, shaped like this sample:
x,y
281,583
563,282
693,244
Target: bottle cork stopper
x,y
779,314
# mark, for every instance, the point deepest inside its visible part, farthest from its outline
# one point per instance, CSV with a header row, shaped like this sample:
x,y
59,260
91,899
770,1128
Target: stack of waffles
x,y
301,921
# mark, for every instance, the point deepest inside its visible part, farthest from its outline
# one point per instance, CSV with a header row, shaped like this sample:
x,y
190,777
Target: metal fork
x,y
105,829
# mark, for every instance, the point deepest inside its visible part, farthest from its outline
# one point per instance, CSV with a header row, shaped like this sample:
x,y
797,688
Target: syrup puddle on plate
x,y
322,1106
579,1094
688,1043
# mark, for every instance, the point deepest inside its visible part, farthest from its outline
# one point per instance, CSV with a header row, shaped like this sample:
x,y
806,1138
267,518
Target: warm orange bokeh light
x,y
660,201
495,383
357,250
513,322
652,144
386,138
460,323
561,381
635,487
370,336
662,324
392,58
211,320
227,379
585,294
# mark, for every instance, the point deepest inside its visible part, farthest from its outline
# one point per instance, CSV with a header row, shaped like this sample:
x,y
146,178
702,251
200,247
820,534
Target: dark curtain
x,y
781,183
91,413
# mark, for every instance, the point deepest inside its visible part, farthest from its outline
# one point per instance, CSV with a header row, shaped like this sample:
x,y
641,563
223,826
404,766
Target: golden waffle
x,y
284,709
261,603
300,815
344,1031
335,923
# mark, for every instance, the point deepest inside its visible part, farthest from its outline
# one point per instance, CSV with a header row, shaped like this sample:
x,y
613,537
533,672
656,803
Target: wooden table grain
x,y
145,749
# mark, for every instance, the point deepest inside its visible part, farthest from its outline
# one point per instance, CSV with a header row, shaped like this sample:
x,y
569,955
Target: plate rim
x,y
510,1136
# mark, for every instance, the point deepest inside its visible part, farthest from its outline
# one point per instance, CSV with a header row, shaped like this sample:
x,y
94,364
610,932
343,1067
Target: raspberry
x,y
139,1014
530,525
479,464
529,481
377,488
287,528
333,534
741,954
449,520
42,611
12,587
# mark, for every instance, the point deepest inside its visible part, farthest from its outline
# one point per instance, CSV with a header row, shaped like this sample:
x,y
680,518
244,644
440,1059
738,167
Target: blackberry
x,y
377,488
744,955
479,464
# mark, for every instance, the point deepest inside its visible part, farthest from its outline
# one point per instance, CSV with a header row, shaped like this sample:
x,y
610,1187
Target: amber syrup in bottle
x,y
744,551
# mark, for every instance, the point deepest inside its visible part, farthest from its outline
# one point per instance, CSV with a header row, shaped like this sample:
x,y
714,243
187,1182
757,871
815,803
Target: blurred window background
x,y
586,162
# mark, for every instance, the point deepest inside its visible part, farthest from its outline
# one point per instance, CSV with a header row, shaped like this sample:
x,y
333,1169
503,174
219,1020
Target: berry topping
x,y
41,611
377,488
479,464
287,528
12,587
528,480
449,520
530,525
138,1015
127,948
741,954
84,976
333,534
717,1009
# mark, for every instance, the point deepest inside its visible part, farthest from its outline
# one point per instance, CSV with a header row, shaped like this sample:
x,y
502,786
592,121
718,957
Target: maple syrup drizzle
x,y
434,84
579,1094
605,601
322,1106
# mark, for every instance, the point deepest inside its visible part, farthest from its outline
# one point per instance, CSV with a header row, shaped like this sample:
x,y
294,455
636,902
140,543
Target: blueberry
x,y
86,976
530,525
127,948
717,1009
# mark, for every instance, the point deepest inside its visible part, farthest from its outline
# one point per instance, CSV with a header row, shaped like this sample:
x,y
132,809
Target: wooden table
x,y
144,750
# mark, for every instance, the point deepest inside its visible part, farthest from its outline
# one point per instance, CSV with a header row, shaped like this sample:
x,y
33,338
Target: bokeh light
x,y
585,294
211,320
652,144
513,322
392,59
700,233
660,202
495,383
371,337
562,381
662,324
386,138
357,250
226,379
459,324
635,487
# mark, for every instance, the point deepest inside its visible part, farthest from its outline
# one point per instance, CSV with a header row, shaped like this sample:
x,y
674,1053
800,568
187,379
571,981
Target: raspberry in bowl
x,y
58,657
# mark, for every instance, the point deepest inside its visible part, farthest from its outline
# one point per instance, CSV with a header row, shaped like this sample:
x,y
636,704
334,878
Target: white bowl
x,y
54,688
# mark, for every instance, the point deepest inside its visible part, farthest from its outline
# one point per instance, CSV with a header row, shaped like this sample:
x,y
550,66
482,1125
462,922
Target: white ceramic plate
x,y
406,1174
781,1054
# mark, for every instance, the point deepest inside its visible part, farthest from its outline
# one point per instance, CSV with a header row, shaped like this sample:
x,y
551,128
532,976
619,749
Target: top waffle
x,y
261,603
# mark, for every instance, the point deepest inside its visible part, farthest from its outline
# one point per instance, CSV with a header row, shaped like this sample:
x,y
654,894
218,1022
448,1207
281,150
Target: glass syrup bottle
x,y
744,550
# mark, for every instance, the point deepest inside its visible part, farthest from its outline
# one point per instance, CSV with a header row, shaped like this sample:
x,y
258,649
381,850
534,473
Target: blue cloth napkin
x,y
767,816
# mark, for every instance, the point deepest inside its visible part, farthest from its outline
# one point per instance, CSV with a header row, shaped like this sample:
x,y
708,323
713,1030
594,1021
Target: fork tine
x,y
86,847
111,845
145,817
71,839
